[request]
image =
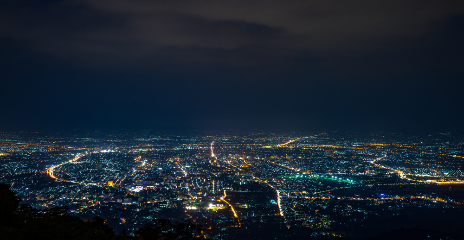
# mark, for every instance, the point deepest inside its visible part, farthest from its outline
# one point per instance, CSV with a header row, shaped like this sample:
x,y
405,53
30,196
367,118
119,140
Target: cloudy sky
x,y
356,65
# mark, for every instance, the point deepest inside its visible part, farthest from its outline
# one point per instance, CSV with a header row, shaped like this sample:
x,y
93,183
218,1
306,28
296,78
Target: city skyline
x,y
222,120
248,184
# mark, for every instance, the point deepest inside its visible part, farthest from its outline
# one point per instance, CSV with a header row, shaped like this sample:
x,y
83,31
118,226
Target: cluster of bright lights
x,y
136,189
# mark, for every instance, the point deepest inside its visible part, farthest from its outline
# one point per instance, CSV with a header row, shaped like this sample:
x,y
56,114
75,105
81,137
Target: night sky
x,y
358,65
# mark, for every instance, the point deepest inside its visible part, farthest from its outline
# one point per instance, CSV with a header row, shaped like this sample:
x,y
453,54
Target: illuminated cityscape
x,y
235,183
226,120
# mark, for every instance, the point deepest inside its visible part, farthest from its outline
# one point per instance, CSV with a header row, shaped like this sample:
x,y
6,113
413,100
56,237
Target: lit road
x,y
50,170
232,208
403,175
212,150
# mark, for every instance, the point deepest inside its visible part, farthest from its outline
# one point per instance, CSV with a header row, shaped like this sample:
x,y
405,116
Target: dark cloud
x,y
232,64
126,31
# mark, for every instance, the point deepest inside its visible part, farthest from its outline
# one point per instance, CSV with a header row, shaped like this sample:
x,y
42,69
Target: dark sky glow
x,y
281,65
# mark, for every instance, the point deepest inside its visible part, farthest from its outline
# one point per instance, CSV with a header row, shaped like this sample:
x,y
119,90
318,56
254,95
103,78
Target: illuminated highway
x,y
231,207
212,150
50,170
